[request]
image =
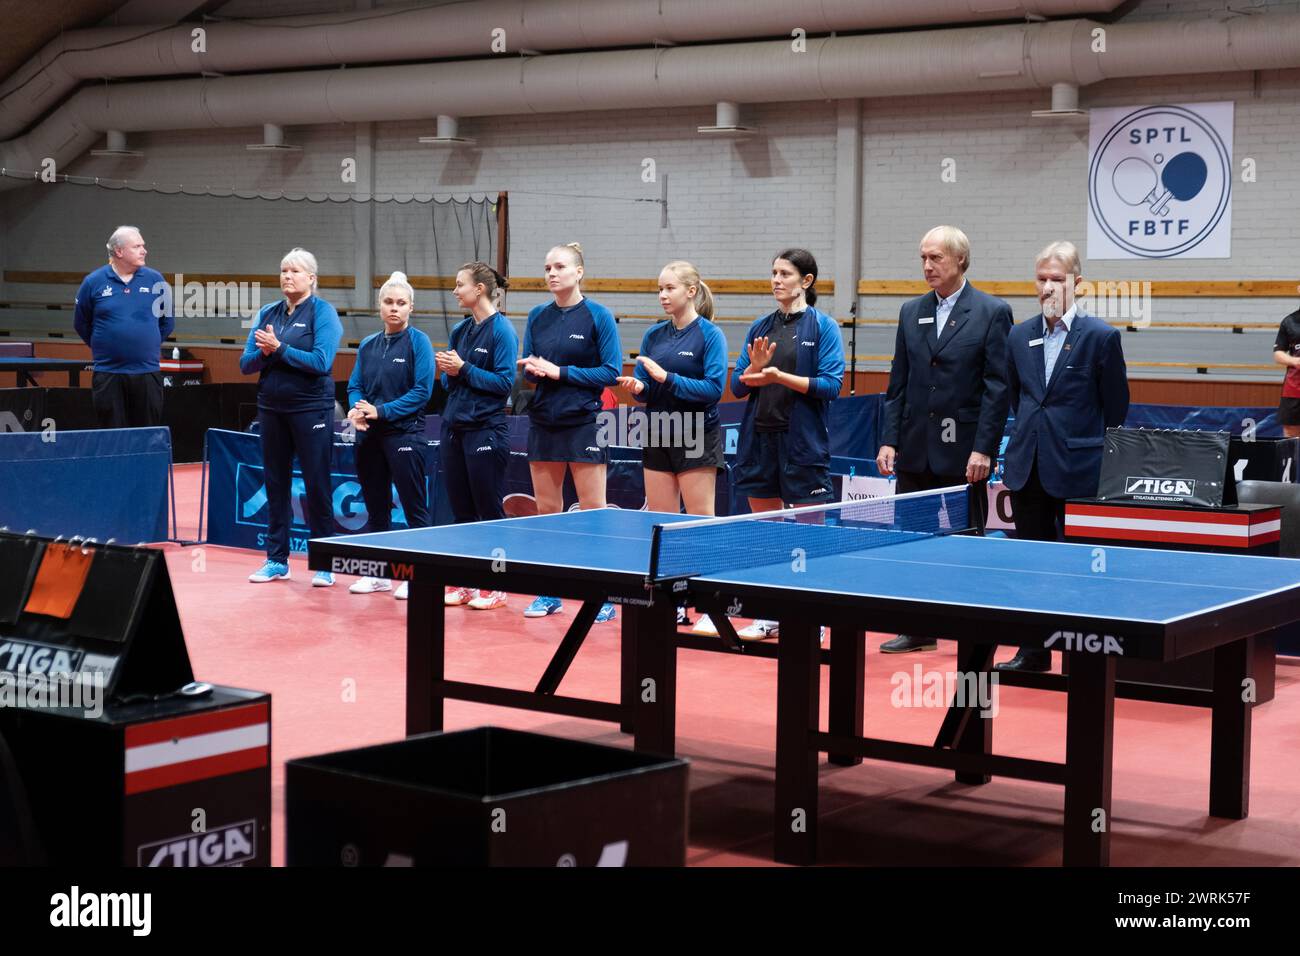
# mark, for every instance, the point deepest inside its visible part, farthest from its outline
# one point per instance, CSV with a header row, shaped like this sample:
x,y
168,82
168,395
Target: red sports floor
x,y
307,646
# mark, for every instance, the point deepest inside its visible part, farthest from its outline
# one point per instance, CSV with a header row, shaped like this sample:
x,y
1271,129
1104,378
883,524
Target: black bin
x,y
486,797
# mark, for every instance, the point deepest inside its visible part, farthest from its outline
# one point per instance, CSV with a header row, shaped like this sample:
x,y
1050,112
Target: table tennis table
x,y
26,367
1093,604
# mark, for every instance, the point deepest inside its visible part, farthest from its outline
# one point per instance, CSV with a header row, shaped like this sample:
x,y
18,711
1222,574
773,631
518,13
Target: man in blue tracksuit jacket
x,y
291,347
124,313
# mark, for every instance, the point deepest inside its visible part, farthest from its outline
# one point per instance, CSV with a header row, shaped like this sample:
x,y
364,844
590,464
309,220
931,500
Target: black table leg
x,y
848,661
975,732
654,687
1089,743
1230,730
74,377
425,658
569,647
627,692
798,689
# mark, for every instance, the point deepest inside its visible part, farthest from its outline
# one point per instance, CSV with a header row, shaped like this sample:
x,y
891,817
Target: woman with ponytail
x,y
682,369
389,388
571,352
477,371
790,369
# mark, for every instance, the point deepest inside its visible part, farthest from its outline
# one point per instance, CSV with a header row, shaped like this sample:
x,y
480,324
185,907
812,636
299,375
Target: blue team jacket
x,y
695,359
297,377
476,397
583,342
820,359
395,374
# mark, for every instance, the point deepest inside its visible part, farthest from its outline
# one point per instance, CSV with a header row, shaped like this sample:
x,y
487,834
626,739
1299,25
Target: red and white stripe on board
x,y
166,753
1230,529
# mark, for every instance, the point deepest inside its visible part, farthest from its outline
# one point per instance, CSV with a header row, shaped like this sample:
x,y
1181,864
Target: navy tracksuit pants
x,y
311,436
474,465
385,459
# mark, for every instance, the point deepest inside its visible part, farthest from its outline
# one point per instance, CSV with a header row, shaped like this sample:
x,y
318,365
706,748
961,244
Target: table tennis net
x,y
707,546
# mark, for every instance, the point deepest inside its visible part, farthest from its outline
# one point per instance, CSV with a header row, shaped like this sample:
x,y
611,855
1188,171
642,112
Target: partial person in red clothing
x,y
1286,351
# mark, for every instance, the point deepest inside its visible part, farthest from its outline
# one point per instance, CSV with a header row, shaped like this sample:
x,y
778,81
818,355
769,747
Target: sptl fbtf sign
x,y
1160,182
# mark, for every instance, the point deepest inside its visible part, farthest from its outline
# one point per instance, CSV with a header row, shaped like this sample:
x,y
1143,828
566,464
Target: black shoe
x,y
904,644
1036,661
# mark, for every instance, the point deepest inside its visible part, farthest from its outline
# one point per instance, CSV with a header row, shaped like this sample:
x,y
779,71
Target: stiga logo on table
x,y
1171,489
232,845
1081,641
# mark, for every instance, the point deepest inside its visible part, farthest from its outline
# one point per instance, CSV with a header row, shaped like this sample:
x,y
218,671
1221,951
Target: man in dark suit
x,y
1068,384
946,405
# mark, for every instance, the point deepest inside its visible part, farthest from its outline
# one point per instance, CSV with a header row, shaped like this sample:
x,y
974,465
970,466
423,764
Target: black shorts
x,y
1288,411
572,443
772,475
707,453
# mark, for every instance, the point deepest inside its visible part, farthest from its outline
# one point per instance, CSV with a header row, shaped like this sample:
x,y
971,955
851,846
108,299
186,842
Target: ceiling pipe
x,y
486,29
972,60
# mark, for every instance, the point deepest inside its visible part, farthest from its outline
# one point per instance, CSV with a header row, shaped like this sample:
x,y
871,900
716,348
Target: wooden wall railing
x,y
1180,289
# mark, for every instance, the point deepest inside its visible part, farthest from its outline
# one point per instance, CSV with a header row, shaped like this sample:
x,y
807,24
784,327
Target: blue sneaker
x,y
606,613
543,606
323,579
271,571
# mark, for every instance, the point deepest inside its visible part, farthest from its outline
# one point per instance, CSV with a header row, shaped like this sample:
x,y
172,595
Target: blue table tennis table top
x,y
1133,584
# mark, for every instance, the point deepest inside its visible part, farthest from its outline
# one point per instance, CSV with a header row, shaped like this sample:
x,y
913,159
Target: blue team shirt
x,y
298,376
695,359
583,341
476,397
395,374
124,323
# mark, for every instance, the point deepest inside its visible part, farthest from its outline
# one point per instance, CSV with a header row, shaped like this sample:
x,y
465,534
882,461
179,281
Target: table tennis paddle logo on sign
x,y
1160,182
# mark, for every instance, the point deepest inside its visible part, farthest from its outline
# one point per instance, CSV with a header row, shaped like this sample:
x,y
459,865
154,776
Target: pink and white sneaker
x,y
488,600
455,597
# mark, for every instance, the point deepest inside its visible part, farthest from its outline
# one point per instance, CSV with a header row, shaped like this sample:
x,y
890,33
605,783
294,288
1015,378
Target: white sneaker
x,y
403,591
488,601
760,630
455,597
705,627
370,585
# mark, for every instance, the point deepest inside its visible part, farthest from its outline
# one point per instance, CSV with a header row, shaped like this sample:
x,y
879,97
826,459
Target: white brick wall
x,y
1020,182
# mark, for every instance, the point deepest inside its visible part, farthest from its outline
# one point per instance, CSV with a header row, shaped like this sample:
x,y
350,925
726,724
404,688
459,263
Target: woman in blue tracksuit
x,y
390,386
790,368
681,373
571,352
292,347
478,372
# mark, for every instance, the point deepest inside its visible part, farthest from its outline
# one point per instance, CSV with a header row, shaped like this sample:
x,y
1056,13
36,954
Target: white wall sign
x,y
1160,182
